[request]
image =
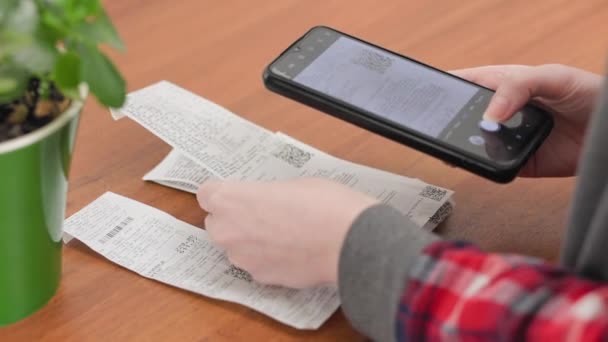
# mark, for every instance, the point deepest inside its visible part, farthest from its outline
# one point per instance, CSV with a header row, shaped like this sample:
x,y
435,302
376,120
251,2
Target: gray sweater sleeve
x,y
584,248
375,260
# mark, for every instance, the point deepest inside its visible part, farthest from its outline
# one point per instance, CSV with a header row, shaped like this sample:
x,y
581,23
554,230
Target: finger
x,y
214,229
518,88
209,222
239,259
489,76
205,194
234,260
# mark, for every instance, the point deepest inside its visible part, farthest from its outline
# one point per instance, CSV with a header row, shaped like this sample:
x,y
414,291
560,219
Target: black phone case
x,y
421,143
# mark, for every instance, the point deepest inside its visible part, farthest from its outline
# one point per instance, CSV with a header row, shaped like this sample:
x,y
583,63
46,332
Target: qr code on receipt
x,y
433,193
238,273
372,61
293,156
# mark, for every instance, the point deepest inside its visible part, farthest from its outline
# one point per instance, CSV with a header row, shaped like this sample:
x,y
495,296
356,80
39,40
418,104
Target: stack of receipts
x,y
209,142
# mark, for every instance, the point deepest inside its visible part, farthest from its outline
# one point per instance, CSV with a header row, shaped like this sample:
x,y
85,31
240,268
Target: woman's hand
x,y
285,233
567,93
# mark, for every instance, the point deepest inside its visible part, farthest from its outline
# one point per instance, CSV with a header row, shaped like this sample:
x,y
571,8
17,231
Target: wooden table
x,y
218,50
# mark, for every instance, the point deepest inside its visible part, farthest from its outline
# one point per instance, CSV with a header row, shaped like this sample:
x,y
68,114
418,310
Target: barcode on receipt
x,y
112,233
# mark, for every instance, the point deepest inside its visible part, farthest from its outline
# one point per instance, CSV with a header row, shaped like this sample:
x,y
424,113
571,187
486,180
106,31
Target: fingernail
x,y
206,191
199,198
498,108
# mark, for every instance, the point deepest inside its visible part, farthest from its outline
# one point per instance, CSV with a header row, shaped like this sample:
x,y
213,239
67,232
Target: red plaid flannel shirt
x,y
458,293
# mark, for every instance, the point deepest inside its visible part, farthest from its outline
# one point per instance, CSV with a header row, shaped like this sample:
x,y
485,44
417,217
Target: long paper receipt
x,y
158,246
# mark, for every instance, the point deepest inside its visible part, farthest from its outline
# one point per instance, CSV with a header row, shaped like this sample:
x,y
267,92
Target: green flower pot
x,y
33,188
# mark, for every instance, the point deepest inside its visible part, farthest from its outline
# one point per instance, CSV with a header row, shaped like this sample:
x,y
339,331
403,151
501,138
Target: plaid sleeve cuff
x,y
457,292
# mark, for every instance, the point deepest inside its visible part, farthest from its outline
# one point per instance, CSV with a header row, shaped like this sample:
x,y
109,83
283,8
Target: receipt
x,y
180,172
287,158
202,130
158,246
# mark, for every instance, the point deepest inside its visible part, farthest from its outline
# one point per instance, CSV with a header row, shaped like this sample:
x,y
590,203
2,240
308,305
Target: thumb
x,y
518,88
205,194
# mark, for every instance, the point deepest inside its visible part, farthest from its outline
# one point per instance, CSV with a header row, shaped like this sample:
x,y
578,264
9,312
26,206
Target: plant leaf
x,y
101,30
53,25
79,10
6,8
74,11
23,19
101,75
66,73
36,56
13,82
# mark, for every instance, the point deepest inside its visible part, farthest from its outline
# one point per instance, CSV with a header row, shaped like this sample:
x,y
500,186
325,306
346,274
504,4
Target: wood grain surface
x,y
218,50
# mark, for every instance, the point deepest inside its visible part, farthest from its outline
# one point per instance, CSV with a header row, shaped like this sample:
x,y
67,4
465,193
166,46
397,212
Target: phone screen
x,y
405,93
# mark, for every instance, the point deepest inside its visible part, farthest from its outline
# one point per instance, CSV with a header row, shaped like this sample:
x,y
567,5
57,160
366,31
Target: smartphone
x,y
407,101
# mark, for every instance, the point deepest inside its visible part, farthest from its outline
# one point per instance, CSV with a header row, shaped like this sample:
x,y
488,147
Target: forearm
x,y
376,257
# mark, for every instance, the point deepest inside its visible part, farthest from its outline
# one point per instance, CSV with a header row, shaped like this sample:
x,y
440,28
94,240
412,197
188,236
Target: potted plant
x,y
49,56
